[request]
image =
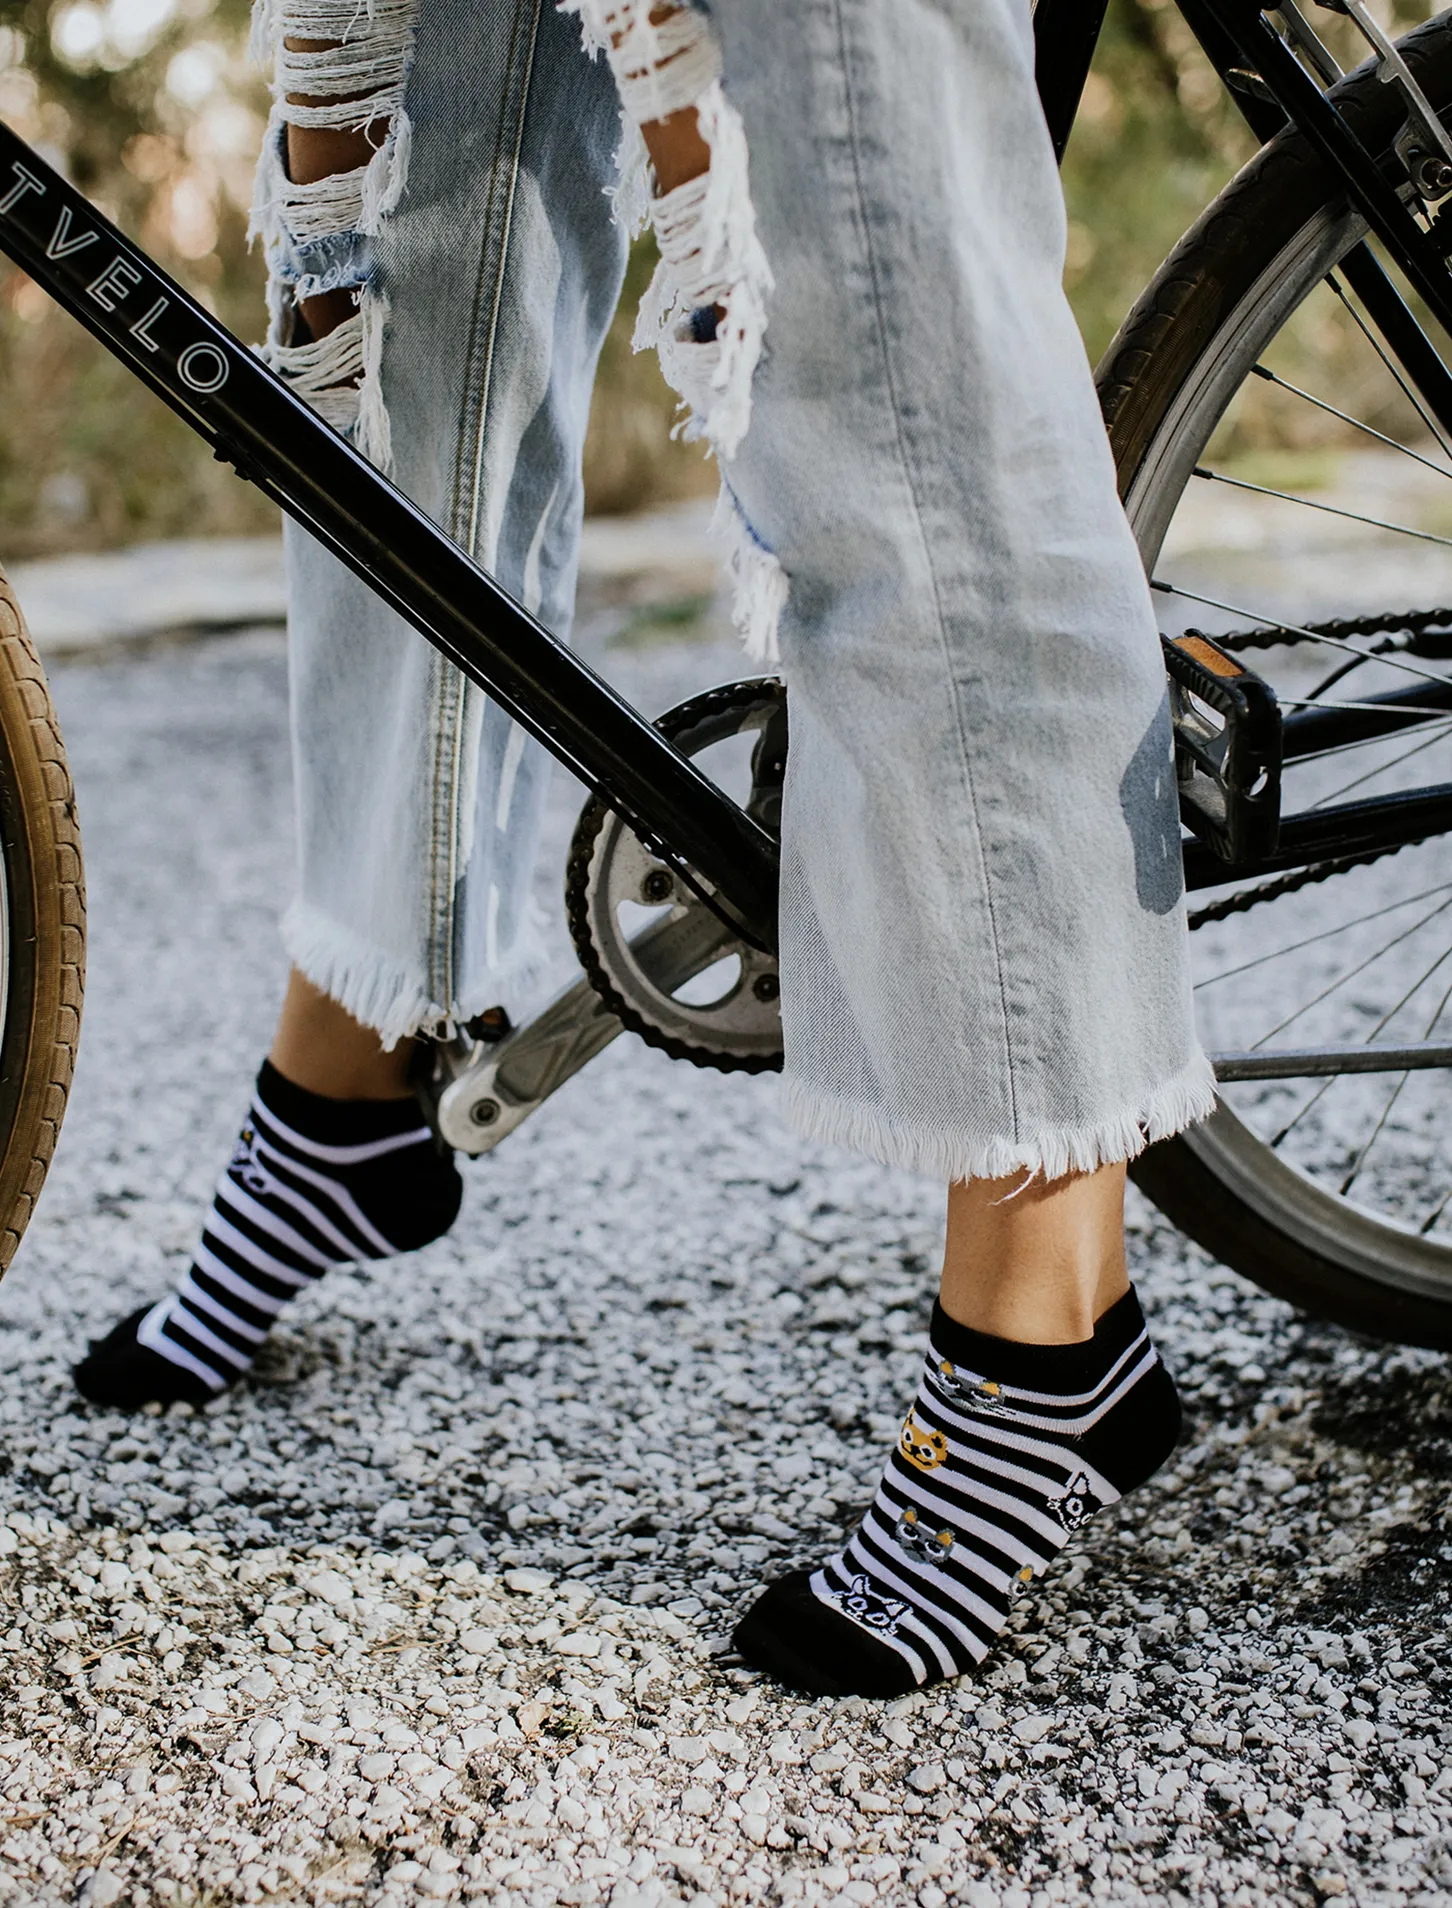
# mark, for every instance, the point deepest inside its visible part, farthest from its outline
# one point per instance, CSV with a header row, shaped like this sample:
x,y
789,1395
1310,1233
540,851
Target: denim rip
x,y
664,60
316,236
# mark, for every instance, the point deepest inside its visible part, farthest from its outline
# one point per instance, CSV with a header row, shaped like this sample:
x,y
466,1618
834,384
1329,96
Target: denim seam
x,y
452,693
910,474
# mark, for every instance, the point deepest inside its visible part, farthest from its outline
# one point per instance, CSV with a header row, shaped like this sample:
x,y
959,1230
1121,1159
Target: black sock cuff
x,y
334,1122
1066,1368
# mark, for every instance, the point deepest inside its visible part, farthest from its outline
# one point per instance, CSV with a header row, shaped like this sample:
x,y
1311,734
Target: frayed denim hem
x,y
384,993
1187,1097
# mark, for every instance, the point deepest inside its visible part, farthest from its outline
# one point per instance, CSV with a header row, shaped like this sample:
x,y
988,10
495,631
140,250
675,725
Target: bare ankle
x,y
320,1047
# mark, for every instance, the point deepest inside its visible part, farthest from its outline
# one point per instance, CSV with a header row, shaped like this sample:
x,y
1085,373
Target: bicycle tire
x,y
1281,213
44,921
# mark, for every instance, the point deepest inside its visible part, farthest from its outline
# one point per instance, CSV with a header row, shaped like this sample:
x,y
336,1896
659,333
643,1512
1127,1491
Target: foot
x,y
314,1183
1007,1451
123,1375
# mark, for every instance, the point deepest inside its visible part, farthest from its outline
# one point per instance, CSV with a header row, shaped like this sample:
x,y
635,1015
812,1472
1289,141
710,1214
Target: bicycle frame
x,y
254,422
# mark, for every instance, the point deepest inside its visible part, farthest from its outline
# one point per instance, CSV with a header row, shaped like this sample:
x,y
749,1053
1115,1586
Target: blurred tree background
x,y
154,110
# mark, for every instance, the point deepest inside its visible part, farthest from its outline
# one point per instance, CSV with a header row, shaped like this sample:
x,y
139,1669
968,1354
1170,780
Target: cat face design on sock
x,y
926,1449
978,1394
865,1606
246,1165
1017,1586
1077,1505
923,1546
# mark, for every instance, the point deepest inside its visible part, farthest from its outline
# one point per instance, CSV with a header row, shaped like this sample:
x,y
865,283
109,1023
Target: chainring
x,y
642,976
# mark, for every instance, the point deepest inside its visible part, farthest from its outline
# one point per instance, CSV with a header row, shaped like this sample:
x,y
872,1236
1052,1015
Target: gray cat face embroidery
x,y
978,1394
1077,1505
922,1545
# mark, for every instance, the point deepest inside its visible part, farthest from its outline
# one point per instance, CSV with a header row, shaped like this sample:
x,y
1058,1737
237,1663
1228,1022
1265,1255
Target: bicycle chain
x,y
593,816
1340,629
1288,884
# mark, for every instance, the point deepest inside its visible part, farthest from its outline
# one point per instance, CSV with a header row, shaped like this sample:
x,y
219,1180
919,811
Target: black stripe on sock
x,y
175,1329
223,1329
1061,1368
303,1217
334,1122
249,1314
247,1268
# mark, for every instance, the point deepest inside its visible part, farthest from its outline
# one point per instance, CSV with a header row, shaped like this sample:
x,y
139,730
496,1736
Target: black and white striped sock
x,y
1008,1449
313,1183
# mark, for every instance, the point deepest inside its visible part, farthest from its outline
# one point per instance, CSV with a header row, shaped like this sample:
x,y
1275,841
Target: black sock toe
x,y
124,1376
807,1645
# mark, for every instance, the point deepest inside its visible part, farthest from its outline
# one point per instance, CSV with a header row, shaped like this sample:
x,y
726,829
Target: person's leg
x,y
983,964
320,1046
443,269
1042,1400
1038,1262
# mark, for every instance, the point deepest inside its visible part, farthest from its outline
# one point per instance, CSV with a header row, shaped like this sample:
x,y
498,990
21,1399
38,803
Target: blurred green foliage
x,y
152,107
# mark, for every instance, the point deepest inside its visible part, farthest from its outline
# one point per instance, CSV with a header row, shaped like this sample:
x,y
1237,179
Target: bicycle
x,y
671,879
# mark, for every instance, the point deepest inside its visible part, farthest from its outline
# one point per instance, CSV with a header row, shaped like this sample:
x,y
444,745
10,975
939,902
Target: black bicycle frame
x,y
255,423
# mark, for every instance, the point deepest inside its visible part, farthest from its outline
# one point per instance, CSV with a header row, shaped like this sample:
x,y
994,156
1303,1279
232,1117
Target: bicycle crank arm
x,y
478,1091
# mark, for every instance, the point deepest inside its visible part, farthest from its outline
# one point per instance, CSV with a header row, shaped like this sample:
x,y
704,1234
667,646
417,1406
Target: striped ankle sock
x,y
314,1183
1007,1450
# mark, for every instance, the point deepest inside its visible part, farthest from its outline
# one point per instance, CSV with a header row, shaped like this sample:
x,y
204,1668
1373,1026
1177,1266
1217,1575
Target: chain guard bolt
x,y
766,987
484,1112
657,886
1432,175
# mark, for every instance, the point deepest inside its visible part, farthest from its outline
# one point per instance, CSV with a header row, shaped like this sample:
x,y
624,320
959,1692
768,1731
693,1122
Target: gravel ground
x,y
435,1608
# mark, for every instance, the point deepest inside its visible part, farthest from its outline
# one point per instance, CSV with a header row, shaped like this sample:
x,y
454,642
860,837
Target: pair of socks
x,y
313,1183
1006,1453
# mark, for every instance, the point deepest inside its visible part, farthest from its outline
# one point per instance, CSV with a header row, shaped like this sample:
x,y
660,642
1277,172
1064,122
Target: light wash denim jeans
x,y
984,966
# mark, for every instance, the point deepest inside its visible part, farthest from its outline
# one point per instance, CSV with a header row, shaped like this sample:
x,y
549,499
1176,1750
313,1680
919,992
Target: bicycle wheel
x,y
42,926
1250,359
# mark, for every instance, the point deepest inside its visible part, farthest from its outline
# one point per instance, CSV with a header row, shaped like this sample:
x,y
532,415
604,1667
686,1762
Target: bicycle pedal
x,y
1227,727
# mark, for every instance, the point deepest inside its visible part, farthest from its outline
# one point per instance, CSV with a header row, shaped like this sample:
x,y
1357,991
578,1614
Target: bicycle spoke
x,y
1326,934
1309,503
1360,708
1273,377
1351,975
1379,1128
1361,742
1384,768
1412,396
1380,1026
1345,669
1436,1213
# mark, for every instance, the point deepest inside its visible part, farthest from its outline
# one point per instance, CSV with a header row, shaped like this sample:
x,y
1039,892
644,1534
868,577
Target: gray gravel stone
x,y
435,1607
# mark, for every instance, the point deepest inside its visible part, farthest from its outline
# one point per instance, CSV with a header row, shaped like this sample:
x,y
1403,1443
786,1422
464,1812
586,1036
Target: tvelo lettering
x,y
118,279
25,181
61,243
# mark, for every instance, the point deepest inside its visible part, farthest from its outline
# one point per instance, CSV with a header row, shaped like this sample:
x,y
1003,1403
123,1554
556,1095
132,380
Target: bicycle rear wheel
x,y
1334,1192
42,927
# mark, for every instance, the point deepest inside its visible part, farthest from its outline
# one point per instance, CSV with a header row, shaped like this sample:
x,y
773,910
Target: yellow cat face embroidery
x,y
926,1449
1017,1585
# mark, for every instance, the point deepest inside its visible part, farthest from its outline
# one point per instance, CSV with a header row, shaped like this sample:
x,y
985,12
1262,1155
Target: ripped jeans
x,y
984,965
